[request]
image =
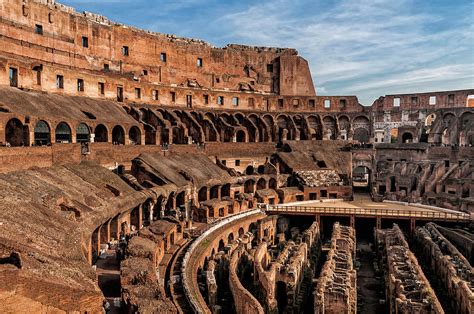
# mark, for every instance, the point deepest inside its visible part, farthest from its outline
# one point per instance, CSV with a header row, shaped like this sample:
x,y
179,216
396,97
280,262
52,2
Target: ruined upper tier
x,y
53,47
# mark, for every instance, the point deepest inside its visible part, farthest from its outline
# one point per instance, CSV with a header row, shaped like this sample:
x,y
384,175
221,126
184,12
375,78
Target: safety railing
x,y
420,214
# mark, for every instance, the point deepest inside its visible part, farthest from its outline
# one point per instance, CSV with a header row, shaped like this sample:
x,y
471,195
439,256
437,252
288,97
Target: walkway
x,y
363,206
108,272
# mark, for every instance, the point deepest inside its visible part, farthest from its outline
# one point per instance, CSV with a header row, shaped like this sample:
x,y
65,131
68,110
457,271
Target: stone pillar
x,y
108,230
140,217
352,222
142,136
412,225
89,250
98,240
378,223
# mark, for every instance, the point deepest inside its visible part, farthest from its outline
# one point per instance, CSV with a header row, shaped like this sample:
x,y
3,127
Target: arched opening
x,y
214,192
261,184
407,137
316,127
63,133
101,134
221,246
281,296
330,129
240,136
135,218
172,240
241,232
272,184
118,135
344,127
42,134
253,228
230,238
249,170
225,190
178,136
261,169
361,178
150,135
202,194
82,133
393,135
16,134
180,200
170,202
249,186
135,136
361,135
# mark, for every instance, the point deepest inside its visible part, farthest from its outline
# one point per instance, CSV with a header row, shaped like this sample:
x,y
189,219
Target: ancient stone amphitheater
x,y
142,172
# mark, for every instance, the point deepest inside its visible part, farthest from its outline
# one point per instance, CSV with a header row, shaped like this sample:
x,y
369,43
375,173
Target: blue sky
x,y
354,47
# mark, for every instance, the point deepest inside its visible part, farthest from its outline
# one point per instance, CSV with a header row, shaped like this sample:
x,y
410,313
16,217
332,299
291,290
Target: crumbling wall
x,y
244,301
408,290
453,271
336,291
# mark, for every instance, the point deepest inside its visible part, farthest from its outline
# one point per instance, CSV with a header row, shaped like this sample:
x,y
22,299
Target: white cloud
x,y
359,47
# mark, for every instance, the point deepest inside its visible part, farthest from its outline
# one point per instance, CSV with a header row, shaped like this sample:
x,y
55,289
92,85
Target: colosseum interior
x,y
143,172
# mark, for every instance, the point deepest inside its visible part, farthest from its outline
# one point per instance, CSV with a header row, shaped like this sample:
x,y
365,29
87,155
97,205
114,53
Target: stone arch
x,y
221,246
118,135
214,192
249,186
269,121
285,129
241,232
135,135
225,190
230,238
210,132
344,124
467,129
361,135
330,128
316,128
241,136
272,183
252,228
202,194
63,133
407,137
302,127
250,170
263,129
430,119
181,199
16,134
101,134
179,136
261,184
82,133
170,201
449,119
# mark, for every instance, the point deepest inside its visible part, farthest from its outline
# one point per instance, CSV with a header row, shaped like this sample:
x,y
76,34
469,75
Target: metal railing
x,y
388,213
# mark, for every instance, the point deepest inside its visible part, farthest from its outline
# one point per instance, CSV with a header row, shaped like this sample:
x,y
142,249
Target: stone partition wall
x,y
407,288
453,272
244,301
336,291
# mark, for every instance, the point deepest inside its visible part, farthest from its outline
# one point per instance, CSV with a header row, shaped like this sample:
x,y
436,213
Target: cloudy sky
x,y
354,47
